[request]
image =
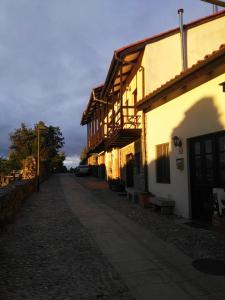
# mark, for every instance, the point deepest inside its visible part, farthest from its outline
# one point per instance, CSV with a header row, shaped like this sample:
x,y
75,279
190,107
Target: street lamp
x,y
40,127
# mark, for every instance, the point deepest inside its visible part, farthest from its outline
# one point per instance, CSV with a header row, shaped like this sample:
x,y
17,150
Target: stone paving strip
x,y
151,268
48,254
197,243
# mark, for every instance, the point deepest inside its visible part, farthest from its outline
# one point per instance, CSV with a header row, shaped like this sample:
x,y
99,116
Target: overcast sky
x,y
53,52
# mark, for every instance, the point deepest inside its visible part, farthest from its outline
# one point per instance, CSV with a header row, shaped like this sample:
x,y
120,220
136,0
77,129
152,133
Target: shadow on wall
x,y
189,185
183,186
202,117
132,171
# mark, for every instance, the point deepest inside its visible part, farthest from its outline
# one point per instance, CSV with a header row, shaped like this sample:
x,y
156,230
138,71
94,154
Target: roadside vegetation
x,y
24,148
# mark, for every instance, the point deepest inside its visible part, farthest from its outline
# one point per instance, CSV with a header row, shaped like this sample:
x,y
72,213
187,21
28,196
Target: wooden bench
x,y
166,206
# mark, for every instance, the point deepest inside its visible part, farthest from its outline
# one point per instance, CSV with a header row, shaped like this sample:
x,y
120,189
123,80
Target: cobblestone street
x,y
48,254
78,240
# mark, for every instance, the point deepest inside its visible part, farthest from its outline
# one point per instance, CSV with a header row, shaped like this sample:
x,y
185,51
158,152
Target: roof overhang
x,y
91,105
126,58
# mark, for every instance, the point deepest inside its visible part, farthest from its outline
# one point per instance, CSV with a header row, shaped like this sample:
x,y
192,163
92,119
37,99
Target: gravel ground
x,y
47,254
194,242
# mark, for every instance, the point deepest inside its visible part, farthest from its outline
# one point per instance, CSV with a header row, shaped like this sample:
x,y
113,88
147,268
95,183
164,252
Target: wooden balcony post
x,y
93,127
107,118
98,121
88,137
113,108
91,131
121,97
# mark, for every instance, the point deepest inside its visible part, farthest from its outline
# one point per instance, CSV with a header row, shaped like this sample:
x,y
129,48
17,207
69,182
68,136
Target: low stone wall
x,y
12,198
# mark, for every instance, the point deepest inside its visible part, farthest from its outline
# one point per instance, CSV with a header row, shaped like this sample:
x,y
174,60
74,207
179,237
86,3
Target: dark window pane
x,y
222,143
222,160
222,176
209,160
208,146
198,162
162,163
197,148
198,174
209,174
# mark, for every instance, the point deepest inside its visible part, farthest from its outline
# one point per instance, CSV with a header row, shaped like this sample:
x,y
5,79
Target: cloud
x,y
53,52
71,161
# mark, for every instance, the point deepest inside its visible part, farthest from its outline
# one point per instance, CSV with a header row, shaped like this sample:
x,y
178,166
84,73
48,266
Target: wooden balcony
x,y
97,142
123,129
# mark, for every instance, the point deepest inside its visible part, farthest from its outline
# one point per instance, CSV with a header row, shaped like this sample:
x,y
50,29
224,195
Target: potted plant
x,y
116,185
144,199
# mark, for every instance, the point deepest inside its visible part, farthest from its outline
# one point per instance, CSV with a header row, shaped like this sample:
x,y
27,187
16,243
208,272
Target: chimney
x,y
182,39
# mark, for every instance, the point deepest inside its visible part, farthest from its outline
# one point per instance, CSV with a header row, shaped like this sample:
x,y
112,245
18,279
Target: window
x,y
162,163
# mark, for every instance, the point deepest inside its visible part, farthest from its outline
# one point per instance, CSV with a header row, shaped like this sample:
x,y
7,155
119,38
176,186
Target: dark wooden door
x,y
129,170
207,166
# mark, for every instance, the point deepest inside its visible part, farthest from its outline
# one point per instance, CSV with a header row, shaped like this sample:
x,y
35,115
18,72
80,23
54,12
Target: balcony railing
x,y
123,119
96,139
123,127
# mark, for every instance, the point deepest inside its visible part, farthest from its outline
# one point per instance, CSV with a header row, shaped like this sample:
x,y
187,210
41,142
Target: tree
x,y
5,167
24,144
83,156
52,141
57,162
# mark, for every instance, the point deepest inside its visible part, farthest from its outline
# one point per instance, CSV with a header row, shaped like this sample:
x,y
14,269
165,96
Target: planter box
x,y
144,199
219,223
116,185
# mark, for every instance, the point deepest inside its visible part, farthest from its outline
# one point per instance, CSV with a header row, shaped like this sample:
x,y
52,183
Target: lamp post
x,y
40,126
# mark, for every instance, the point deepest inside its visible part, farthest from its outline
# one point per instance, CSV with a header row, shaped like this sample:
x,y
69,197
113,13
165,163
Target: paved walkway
x,y
151,268
197,243
48,254
66,244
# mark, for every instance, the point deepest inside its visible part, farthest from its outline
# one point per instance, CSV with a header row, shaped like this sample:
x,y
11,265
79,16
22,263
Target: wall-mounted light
x,y
223,86
177,141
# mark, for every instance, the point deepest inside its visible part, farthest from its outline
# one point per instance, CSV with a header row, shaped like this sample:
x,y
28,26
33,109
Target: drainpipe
x,y
97,100
145,151
121,98
123,61
182,36
118,61
142,69
143,120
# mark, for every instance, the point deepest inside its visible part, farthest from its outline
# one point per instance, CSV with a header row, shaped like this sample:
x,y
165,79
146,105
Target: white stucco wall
x,y
198,112
162,59
204,39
